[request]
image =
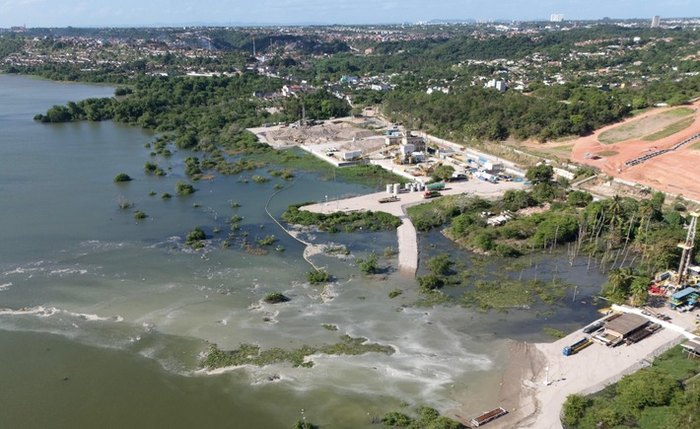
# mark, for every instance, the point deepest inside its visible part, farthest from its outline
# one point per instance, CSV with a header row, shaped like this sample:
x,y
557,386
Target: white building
x,y
556,17
500,85
655,21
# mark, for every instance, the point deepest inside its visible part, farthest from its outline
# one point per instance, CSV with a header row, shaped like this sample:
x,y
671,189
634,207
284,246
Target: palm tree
x,y
619,280
615,212
640,291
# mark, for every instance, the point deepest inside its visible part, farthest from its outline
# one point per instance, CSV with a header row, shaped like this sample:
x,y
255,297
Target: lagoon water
x,y
103,319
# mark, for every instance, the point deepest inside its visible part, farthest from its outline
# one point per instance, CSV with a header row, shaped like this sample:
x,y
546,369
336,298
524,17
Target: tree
x,y
442,172
647,388
619,281
579,198
541,173
640,291
574,409
515,199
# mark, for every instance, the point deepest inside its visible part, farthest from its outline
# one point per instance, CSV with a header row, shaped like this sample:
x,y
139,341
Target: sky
x,y
97,13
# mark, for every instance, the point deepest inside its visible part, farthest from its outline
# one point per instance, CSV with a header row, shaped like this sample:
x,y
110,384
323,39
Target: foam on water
x,y
42,311
5,286
46,269
67,271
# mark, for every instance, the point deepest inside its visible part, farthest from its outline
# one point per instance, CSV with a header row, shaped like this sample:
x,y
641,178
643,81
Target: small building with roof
x,y
619,328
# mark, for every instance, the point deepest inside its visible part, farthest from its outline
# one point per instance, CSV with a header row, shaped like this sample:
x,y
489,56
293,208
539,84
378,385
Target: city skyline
x,y
81,13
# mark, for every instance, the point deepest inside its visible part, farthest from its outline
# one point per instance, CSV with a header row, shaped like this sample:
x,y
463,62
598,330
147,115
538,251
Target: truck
x,y
431,194
437,186
576,347
351,155
482,175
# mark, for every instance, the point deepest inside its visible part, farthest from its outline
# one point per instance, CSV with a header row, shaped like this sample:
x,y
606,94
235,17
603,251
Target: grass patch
x,y
296,159
394,293
553,332
638,129
248,354
339,221
681,111
613,135
505,294
670,130
606,153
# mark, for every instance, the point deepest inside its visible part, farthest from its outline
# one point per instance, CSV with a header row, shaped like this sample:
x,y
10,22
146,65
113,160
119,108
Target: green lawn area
x,y
670,130
607,153
617,134
649,128
681,111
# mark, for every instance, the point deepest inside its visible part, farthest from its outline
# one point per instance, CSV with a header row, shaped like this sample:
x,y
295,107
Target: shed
x,y
625,325
683,294
692,348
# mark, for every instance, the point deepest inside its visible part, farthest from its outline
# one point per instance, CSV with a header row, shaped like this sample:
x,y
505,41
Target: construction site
x,y
657,149
341,142
412,155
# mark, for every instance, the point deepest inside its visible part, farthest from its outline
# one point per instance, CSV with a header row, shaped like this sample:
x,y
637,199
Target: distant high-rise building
x,y
655,21
556,17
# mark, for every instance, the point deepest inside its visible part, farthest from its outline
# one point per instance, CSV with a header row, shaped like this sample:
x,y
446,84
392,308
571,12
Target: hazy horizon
x,y
132,13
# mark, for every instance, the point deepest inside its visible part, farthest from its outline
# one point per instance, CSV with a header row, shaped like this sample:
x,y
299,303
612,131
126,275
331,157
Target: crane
x,y
687,247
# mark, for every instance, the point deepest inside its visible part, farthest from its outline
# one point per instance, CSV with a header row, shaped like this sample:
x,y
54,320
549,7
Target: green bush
x,y
369,264
196,235
440,265
396,419
275,298
122,177
318,276
183,188
153,169
268,240
139,215
430,282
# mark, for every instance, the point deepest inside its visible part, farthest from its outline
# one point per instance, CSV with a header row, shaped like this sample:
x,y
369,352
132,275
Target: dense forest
x,y
199,112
